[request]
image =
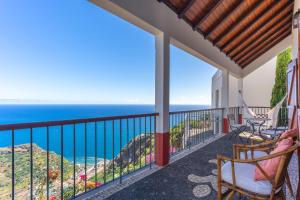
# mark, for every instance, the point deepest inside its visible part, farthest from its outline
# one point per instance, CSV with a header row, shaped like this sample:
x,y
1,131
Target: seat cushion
x,y
256,154
244,176
271,132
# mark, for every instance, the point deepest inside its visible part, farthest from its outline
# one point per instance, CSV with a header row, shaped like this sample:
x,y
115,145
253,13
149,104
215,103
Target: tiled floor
x,y
191,177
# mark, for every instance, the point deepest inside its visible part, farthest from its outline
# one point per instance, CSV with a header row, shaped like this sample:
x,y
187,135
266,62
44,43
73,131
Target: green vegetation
x,y
177,131
279,89
22,172
132,157
138,153
176,134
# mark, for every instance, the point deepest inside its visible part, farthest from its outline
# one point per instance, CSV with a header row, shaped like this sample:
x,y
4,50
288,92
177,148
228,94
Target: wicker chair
x,y
246,152
237,175
252,151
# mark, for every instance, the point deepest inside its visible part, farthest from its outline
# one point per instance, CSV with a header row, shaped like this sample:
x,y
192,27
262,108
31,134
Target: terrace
x,y
162,155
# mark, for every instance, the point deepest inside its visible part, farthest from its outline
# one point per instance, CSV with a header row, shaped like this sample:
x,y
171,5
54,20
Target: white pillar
x,y
225,90
162,81
225,100
239,100
162,87
240,90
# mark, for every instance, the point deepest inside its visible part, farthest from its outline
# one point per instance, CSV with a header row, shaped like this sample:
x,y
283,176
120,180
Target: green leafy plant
x,y
176,135
279,88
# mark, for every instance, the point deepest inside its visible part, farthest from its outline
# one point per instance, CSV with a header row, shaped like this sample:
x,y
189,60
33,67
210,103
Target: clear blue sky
x,y
70,51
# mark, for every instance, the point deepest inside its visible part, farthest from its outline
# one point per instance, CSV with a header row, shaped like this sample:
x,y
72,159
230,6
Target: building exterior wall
x,y
216,88
257,86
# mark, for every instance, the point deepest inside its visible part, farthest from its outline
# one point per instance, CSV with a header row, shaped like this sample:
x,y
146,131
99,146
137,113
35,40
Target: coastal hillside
x,y
132,157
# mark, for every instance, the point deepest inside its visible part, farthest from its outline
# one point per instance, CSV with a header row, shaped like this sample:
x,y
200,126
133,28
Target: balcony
x,y
164,155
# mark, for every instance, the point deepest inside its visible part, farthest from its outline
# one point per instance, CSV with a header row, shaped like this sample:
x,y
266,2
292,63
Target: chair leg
x,y
230,195
282,195
239,195
219,165
288,184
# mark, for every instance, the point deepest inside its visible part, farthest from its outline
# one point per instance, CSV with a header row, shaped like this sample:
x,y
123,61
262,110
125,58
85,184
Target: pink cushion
x,y
270,166
290,133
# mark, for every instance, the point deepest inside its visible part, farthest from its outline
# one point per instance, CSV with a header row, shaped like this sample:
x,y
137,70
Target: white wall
x,y
216,85
257,86
233,91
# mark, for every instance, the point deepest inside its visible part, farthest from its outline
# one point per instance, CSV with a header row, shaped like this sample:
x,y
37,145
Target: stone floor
x,y
191,177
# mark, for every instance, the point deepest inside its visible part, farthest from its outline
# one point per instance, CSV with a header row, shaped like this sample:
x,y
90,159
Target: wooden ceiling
x,y
242,29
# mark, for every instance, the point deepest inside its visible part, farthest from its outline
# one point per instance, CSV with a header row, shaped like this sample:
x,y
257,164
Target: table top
x,y
257,118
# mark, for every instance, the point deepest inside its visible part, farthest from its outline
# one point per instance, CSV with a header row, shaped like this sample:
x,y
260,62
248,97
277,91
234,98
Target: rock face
x,y
134,151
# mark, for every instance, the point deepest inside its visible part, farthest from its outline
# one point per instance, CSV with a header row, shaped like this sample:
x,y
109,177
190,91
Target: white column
x,y
225,100
225,90
162,79
239,100
240,90
162,87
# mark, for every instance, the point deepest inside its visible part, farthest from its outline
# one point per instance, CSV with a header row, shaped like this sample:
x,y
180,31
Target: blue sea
x,y
14,114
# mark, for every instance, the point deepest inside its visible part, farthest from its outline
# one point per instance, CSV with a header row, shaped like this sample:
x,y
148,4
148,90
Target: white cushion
x,y
256,154
244,176
271,132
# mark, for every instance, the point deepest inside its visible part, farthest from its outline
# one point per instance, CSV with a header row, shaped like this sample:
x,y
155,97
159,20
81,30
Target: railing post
x,y
162,77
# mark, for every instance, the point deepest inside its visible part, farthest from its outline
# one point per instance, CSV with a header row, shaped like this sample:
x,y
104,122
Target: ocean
x,y
14,114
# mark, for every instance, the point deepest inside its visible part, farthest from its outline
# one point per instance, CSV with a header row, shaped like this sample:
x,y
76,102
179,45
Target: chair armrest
x,y
265,143
265,146
254,161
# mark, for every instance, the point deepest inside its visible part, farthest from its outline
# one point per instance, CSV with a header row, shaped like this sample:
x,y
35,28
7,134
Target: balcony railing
x,y
189,128
62,159
262,111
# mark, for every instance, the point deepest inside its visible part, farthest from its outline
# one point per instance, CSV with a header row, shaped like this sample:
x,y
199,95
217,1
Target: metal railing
x,y
262,111
188,128
63,159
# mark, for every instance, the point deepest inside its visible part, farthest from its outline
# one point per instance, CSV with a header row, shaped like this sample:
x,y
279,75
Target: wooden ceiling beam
x,y
254,42
257,30
171,6
264,43
265,49
214,7
188,5
207,11
224,16
239,19
240,33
